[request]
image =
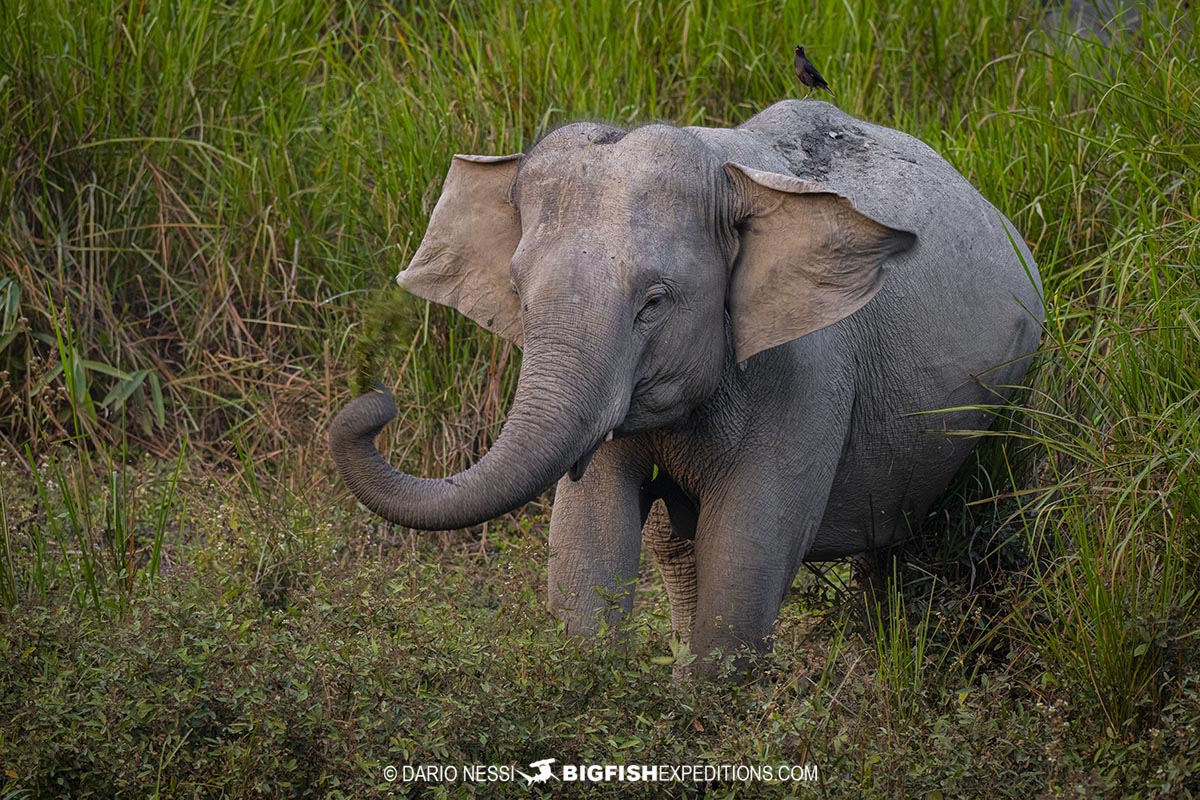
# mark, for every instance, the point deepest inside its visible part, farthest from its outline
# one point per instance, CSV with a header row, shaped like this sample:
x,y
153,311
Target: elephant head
x,y
633,268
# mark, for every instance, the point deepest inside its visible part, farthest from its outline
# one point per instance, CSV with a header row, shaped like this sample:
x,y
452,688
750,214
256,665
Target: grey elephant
x,y
752,325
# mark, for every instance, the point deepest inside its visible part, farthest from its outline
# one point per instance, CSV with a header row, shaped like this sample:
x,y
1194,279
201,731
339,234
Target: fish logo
x,y
543,773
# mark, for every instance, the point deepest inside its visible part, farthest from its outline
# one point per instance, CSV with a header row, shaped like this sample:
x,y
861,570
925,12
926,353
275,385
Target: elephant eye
x,y
655,300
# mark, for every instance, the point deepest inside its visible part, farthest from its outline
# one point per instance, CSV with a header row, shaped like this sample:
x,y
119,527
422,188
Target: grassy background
x,y
201,208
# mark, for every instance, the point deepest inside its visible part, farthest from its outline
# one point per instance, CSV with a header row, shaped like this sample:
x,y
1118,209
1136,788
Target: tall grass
x,y
213,191
201,206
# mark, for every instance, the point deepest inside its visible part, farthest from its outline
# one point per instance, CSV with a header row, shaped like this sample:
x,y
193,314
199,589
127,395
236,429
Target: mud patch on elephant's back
x,y
824,146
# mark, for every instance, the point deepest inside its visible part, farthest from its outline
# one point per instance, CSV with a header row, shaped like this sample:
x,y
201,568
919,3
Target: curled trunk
x,y
551,427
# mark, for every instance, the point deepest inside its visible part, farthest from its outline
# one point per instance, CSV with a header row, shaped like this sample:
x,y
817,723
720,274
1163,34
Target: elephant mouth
x,y
580,466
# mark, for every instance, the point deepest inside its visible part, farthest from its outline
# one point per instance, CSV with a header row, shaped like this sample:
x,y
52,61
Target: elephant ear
x,y
464,260
808,258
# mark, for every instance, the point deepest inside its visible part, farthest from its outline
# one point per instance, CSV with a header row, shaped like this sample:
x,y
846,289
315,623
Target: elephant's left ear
x,y
464,261
808,258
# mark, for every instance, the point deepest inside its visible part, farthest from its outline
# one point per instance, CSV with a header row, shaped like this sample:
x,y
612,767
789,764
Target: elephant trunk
x,y
563,409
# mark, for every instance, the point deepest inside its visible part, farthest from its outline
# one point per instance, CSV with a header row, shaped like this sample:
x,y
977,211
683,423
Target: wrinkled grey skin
x,y
628,250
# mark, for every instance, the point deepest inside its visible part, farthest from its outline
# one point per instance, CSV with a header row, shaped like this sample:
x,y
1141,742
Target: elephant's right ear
x,y
464,260
808,258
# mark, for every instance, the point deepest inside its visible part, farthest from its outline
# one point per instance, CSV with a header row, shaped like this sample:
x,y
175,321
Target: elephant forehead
x,y
628,220
655,139
632,206
593,168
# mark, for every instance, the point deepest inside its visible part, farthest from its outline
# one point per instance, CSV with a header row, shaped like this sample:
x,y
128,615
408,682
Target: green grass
x,y
202,207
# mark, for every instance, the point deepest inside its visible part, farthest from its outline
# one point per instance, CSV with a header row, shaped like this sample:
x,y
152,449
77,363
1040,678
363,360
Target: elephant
x,y
781,331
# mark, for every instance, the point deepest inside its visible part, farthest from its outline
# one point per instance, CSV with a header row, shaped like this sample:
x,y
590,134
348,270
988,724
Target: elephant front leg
x,y
748,550
595,540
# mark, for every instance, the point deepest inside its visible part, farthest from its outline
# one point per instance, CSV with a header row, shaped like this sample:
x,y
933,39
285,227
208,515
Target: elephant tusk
x,y
579,467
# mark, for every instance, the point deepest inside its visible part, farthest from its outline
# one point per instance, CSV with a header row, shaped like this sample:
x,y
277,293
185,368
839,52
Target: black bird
x,y
808,74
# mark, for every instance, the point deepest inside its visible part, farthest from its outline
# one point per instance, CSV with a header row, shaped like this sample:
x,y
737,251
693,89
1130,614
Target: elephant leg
x,y
595,539
676,559
749,546
740,588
